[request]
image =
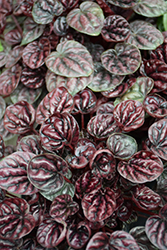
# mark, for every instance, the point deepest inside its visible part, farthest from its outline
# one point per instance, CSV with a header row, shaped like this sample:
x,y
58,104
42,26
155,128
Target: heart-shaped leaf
x,y
33,78
121,145
124,59
99,204
14,56
144,166
157,134
160,53
62,207
115,29
58,100
15,219
44,11
19,117
143,39
129,115
105,108
150,8
9,80
71,60
13,169
88,19
30,143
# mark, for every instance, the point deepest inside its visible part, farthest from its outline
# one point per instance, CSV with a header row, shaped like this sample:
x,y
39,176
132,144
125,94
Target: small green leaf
x,y
165,21
1,47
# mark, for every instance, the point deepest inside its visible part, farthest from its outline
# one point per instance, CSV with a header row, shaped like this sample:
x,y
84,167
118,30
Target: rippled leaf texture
x,y
87,183
87,19
33,78
121,145
24,7
46,172
14,56
157,134
9,80
141,238
124,59
4,53
144,166
13,37
155,106
160,53
103,80
161,188
78,234
2,107
85,148
73,84
35,53
124,3
142,38
155,228
44,11
62,207
129,115
58,100
19,117
99,204
15,219
59,130
105,108
30,143
103,164
8,244
2,147
150,8
115,29
60,27
117,240
31,31
84,102
13,172
95,50
71,59
145,198
102,125
50,233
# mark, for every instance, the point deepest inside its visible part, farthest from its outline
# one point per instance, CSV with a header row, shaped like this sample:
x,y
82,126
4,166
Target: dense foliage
x,y
83,124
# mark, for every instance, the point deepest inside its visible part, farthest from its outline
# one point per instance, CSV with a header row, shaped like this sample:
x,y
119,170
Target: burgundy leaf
x,y
30,143
44,11
145,198
86,183
163,212
115,29
68,4
95,50
59,130
45,172
50,233
157,134
9,244
160,53
33,78
14,56
77,162
125,210
155,228
124,3
121,145
103,164
13,172
99,241
6,6
35,53
144,166
99,204
102,125
85,147
2,147
60,27
13,37
9,80
161,188
105,108
19,117
78,234
15,219
125,59
84,102
24,7
155,106
58,100
129,115
62,207
71,59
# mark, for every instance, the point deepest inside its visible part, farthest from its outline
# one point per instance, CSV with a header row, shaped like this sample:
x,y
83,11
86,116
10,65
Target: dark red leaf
x,y
14,56
60,27
160,53
33,78
13,37
2,147
30,143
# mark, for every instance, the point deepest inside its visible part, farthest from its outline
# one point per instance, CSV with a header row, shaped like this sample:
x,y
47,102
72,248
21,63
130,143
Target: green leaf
x,y
1,47
165,21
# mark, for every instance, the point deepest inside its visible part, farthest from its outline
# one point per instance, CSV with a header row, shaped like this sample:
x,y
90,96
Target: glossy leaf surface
x,y
88,19
143,39
58,100
14,56
129,115
160,53
71,60
121,145
19,117
124,59
30,143
144,166
157,134
2,147
13,169
62,207
99,204
124,3
16,221
115,29
33,78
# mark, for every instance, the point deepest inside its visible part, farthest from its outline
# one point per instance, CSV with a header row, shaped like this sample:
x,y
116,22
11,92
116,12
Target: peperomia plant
x,y
83,125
